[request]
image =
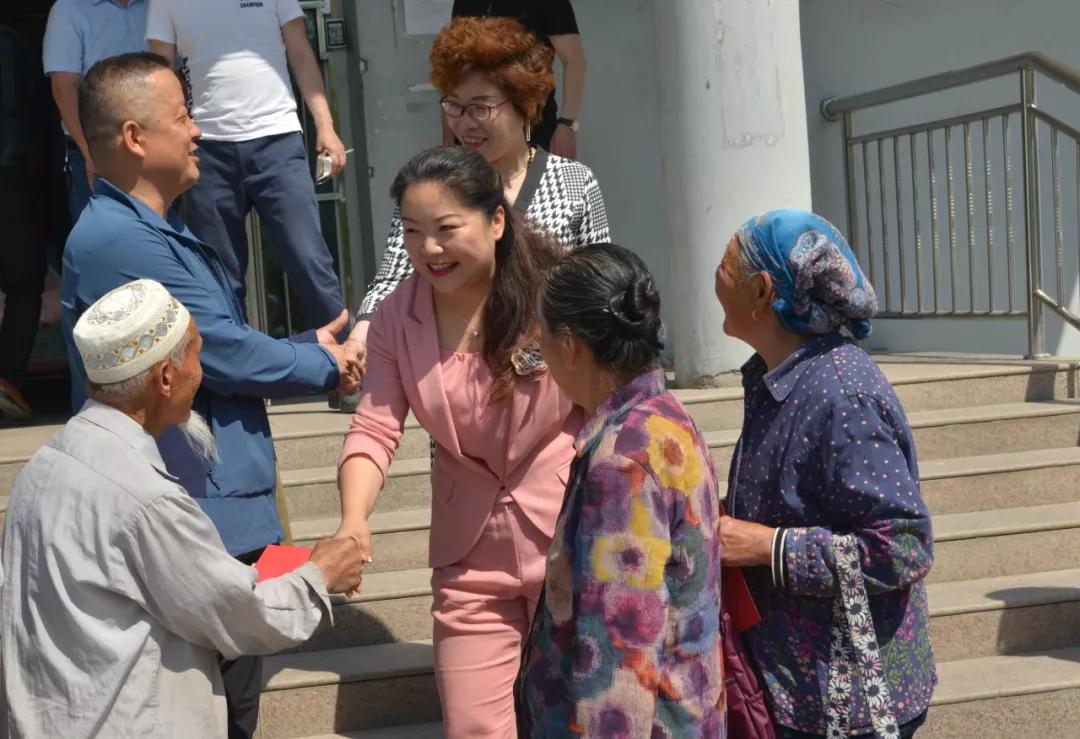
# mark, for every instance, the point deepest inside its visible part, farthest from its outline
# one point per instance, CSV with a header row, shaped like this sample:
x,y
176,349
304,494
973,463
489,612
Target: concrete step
x,y
969,618
1006,697
306,439
1004,615
391,607
937,383
308,435
1004,480
358,688
966,432
1010,541
347,689
994,543
399,538
313,493
958,485
975,459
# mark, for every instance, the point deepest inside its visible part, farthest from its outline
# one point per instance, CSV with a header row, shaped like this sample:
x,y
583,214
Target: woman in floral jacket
x,y
626,639
826,516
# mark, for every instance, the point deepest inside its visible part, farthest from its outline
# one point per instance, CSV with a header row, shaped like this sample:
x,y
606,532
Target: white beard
x,y
200,438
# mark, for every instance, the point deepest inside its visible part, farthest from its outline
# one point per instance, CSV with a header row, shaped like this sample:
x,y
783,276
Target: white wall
x,y
620,138
852,46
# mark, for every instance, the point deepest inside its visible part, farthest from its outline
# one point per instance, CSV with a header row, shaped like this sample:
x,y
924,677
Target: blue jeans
x,y
78,188
272,175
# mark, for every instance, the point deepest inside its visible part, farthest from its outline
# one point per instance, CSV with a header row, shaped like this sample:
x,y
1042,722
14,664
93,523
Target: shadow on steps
x,y
1050,622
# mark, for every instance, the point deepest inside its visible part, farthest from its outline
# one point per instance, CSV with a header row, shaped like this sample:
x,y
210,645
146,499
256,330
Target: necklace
x,y
525,168
473,333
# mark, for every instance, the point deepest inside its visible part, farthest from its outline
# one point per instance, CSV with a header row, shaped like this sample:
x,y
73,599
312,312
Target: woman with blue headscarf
x,y
824,508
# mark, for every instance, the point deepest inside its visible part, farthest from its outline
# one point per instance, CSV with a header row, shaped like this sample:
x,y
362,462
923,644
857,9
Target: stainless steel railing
x,y
936,244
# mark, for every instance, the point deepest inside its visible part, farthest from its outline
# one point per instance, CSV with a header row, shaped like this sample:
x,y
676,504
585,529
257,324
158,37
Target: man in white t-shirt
x,y
235,57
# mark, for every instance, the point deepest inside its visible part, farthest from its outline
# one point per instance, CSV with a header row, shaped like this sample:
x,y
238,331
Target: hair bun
x,y
637,308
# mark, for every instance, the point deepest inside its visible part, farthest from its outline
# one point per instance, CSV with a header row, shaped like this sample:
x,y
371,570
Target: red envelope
x,y
737,599
278,560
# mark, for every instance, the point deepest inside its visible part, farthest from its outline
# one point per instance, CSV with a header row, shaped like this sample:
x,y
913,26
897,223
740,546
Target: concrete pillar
x,y
734,144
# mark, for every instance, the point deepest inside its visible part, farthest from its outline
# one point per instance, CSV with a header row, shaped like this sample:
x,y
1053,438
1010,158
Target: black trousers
x,y
23,263
242,679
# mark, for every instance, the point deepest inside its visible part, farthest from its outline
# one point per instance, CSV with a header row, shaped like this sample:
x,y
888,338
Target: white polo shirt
x,y
233,56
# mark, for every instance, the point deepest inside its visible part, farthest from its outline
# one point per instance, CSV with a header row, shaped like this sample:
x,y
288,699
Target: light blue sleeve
x,y
159,24
63,45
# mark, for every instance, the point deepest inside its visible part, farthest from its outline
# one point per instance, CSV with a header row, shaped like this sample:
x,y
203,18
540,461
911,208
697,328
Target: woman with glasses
x,y
495,78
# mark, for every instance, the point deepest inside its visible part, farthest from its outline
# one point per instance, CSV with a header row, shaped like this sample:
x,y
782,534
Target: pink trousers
x,y
482,610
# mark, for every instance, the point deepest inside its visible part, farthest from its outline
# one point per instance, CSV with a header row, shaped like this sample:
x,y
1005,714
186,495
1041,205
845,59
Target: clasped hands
x,y
358,534
342,557
341,561
349,354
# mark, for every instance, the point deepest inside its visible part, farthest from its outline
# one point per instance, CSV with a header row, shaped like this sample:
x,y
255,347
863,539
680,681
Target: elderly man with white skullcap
x,y
120,594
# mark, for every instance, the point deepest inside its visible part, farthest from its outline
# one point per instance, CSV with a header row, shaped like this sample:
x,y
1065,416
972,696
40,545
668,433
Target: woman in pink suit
x,y
452,343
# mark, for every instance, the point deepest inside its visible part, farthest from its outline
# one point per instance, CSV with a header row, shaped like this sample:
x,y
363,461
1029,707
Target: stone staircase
x,y
999,448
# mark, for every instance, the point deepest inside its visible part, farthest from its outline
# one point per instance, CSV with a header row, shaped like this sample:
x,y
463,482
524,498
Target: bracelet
x,y
779,544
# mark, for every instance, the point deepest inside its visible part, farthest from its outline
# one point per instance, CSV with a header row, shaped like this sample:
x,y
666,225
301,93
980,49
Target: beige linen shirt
x,y
120,595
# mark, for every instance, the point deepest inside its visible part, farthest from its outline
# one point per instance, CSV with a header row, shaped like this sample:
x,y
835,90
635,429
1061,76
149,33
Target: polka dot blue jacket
x,y
826,448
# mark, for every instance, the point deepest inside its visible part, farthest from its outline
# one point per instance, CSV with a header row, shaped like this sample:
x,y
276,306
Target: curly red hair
x,y
511,57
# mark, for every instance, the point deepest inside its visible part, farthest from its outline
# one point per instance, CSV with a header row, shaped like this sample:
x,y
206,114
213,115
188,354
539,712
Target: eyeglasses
x,y
476,111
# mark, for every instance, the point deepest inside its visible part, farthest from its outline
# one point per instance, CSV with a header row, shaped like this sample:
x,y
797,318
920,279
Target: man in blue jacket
x,y
143,144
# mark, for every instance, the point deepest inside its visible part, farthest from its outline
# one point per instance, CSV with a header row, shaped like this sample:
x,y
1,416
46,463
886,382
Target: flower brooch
x,y
527,360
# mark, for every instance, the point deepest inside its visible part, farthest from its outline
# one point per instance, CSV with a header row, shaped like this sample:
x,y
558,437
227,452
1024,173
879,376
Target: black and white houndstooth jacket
x,y
564,201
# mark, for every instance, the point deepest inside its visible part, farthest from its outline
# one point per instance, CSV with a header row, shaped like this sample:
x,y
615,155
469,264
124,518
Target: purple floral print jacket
x,y
626,639
826,449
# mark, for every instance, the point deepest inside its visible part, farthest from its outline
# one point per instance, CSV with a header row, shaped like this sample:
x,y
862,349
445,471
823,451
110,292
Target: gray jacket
x,y
120,595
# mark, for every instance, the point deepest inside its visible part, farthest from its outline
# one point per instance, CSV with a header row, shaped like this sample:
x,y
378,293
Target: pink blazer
x,y
403,372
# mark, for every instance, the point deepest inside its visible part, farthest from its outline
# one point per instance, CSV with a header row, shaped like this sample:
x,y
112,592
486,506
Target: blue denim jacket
x,y
118,239
826,448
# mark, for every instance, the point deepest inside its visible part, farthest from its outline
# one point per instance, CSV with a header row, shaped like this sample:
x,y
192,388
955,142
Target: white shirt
x,y
233,57
120,595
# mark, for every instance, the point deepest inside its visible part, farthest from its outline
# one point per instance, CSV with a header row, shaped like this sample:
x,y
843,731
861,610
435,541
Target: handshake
x,y
341,561
350,355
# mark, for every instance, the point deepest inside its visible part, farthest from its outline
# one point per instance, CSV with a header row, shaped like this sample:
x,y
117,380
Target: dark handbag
x,y
748,714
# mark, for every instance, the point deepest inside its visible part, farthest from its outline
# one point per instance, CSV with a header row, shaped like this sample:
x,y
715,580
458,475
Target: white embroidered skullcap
x,y
129,330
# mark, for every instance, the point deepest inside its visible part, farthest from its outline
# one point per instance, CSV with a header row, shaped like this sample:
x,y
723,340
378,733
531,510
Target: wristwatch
x,y
570,123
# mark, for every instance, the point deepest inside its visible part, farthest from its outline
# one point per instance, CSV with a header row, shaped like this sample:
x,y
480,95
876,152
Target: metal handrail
x,y
833,108
884,206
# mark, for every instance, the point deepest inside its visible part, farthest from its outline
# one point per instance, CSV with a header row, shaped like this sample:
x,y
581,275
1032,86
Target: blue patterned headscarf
x,y
820,286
